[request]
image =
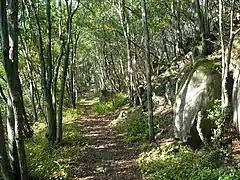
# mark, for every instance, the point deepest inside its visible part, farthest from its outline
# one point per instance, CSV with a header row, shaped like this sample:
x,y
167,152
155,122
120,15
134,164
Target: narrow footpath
x,y
106,156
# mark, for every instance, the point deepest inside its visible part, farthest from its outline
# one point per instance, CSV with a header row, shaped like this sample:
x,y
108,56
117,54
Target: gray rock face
x,y
201,87
235,68
236,100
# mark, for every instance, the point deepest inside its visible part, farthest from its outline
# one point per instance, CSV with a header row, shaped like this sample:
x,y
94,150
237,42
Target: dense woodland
x,y
119,89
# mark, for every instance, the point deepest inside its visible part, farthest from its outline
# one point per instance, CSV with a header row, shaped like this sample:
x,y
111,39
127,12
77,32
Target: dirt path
x,y
106,156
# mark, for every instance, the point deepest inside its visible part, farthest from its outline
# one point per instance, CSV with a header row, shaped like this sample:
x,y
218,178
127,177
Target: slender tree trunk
x,y
32,97
4,161
178,26
46,71
63,82
65,66
148,70
200,16
124,16
223,52
28,132
52,124
60,56
206,46
55,79
12,148
31,77
71,72
203,23
226,103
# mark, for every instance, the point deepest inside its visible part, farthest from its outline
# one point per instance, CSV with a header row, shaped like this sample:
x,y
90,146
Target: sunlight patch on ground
x,y
86,101
124,162
85,178
105,146
93,135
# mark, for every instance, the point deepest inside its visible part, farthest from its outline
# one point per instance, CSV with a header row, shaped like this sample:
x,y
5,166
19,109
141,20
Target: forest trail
x,y
106,156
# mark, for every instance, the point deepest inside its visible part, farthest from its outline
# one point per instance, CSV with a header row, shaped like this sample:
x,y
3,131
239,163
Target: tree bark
x,y
65,66
4,161
46,71
10,63
178,26
13,156
71,72
148,70
126,31
52,124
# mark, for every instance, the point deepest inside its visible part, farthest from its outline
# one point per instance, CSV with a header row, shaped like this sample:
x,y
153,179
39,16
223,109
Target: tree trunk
x,y
63,82
71,81
32,97
148,70
4,161
12,148
203,23
28,132
59,58
226,57
10,62
178,26
65,66
46,71
126,31
207,45
31,77
52,124
71,72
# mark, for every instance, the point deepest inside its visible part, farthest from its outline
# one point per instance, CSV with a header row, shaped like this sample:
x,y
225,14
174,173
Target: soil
x,y
106,156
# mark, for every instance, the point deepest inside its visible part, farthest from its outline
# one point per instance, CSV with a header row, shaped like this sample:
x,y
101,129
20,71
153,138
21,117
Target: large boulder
x,y
235,68
200,89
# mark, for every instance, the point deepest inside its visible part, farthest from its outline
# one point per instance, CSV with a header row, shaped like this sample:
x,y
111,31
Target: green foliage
x,y
206,64
174,161
112,103
214,114
52,162
70,113
135,127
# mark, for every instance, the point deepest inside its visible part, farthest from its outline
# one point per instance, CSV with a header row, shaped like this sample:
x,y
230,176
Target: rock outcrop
x,y
200,89
235,68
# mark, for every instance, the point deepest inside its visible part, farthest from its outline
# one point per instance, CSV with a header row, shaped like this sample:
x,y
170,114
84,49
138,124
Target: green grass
x,y
52,162
178,162
112,103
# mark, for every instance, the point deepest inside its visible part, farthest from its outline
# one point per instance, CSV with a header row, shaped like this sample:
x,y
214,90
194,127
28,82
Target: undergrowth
x,y
175,161
135,127
112,103
53,162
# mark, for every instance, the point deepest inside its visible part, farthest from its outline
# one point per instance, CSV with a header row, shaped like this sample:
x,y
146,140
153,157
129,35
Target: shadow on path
x,y
106,156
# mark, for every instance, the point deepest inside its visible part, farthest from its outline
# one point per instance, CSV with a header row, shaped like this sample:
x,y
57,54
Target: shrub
x,y
112,103
214,114
135,127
